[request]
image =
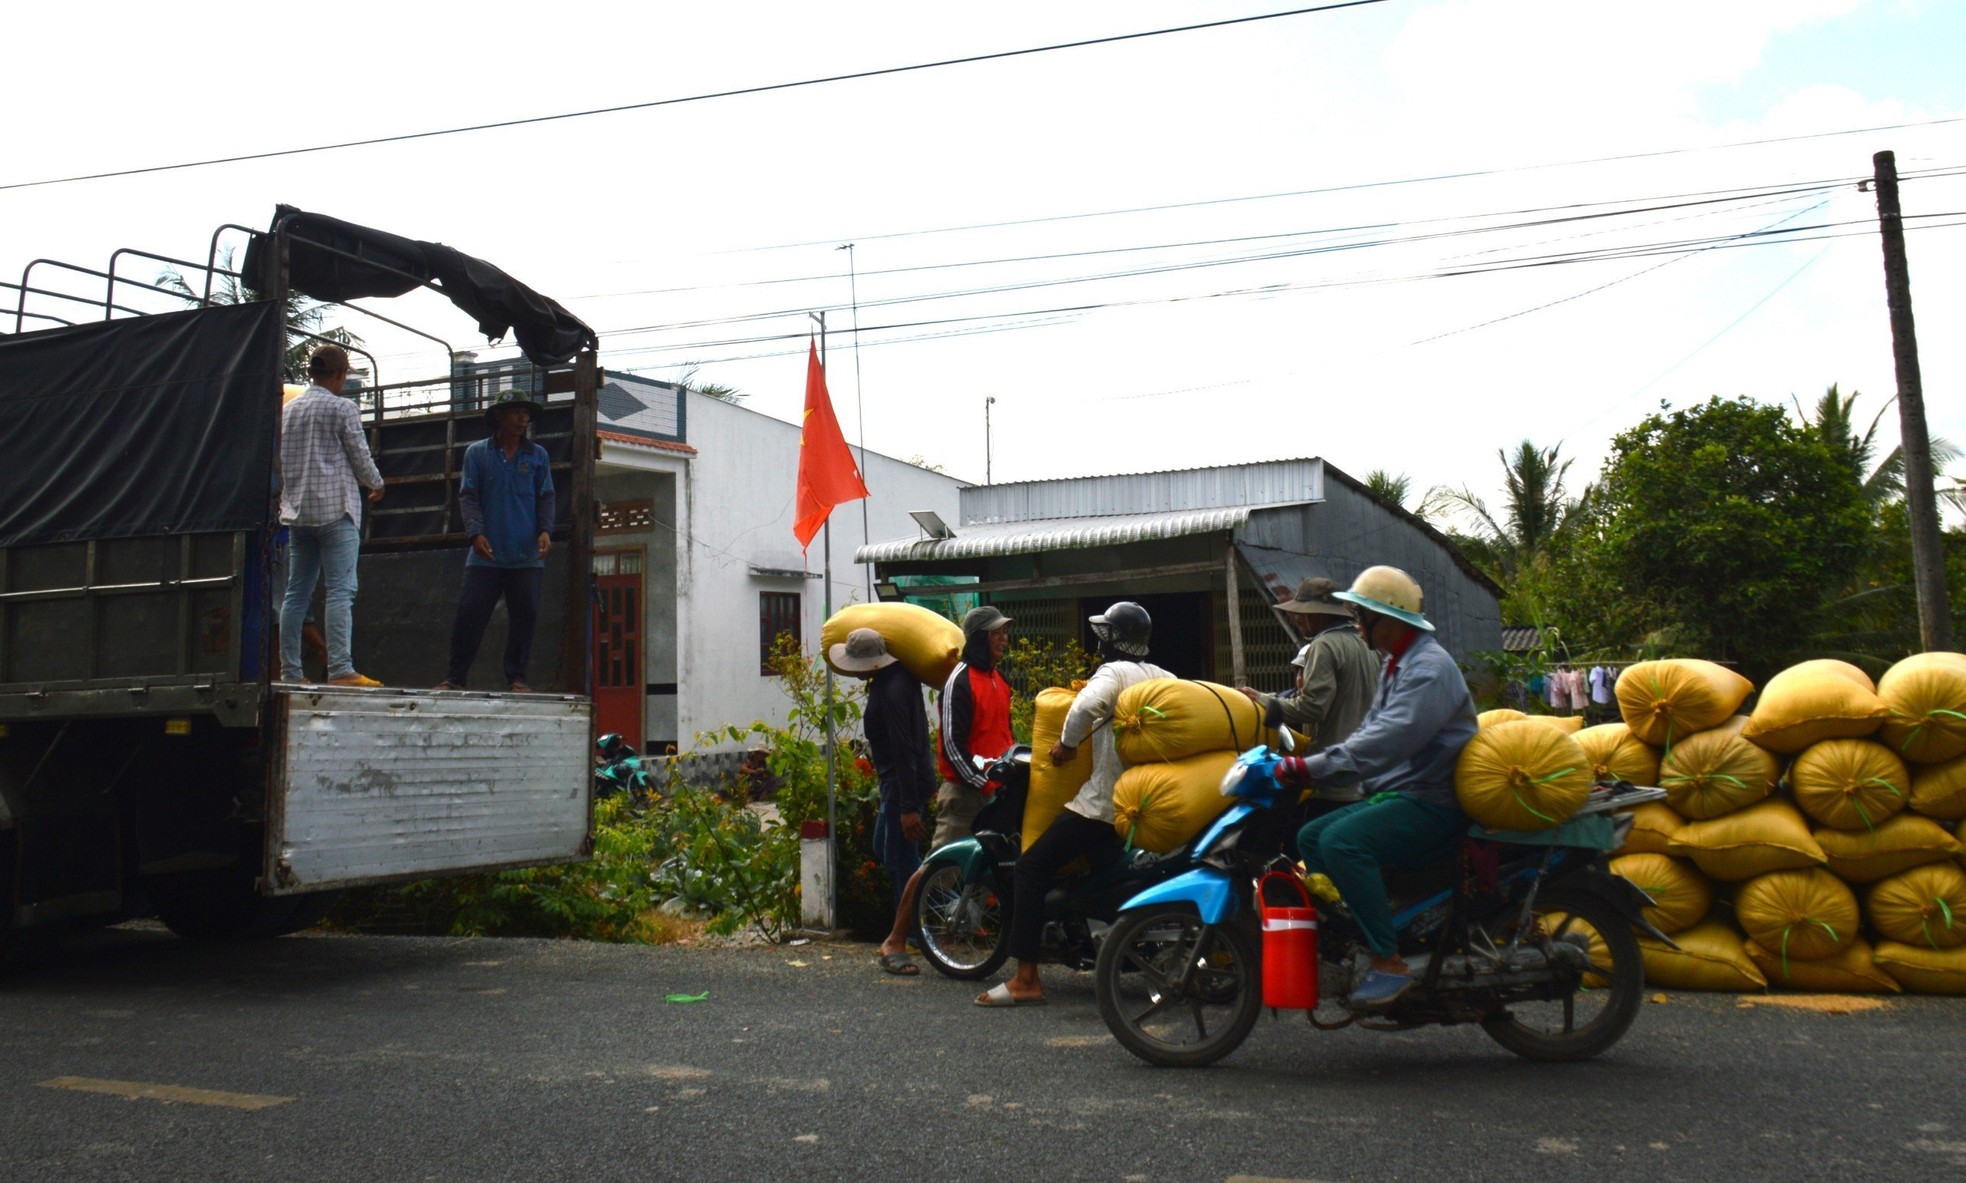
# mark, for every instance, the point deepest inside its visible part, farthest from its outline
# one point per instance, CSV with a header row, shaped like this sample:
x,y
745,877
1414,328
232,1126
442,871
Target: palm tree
x,y
304,316
716,390
1392,488
1536,506
1834,424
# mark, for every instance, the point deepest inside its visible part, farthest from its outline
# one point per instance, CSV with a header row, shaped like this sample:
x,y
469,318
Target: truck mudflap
x,y
373,786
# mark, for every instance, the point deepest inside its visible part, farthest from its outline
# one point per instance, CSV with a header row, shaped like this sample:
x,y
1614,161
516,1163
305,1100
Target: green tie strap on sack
x,y
1924,971
1682,896
1940,790
929,644
1798,915
1812,702
1925,906
1850,784
1653,825
1166,719
1924,698
1160,807
1711,956
1521,776
1770,836
1851,970
1662,701
1715,772
1897,844
1616,754
1052,785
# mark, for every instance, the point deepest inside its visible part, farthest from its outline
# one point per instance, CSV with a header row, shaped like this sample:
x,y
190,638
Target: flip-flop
x,y
1000,995
898,963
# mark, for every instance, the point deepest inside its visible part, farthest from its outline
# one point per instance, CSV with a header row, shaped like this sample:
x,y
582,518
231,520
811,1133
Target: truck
x,y
151,759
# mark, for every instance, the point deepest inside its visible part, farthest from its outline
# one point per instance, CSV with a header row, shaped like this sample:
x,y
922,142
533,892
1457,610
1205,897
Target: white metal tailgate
x,y
387,784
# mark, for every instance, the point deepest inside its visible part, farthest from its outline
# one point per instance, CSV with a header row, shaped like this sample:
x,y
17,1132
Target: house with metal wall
x,y
1208,551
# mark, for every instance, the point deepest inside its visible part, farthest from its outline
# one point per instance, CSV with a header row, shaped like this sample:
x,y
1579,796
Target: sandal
x,y
999,995
898,964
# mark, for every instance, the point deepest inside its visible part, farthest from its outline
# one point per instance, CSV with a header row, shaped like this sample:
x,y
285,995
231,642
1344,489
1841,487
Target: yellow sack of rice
x,y
1925,906
1616,754
1051,785
928,644
1899,844
1665,701
1521,776
1681,896
1160,807
1653,825
1925,702
1499,715
1798,915
1166,719
1927,971
1812,702
1850,784
1849,971
1940,790
1711,956
1567,724
1770,836
1715,772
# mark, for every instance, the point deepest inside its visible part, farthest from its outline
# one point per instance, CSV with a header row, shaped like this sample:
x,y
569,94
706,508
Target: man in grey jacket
x,y
1340,673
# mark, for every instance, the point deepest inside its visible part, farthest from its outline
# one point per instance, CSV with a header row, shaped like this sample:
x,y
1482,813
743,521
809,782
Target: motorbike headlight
x,y
1233,778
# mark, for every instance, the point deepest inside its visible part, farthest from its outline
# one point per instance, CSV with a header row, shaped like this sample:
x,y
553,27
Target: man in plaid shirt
x,y
324,466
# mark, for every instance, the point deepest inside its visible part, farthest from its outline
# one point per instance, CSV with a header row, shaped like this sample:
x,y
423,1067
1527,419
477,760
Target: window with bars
x,y
778,612
623,517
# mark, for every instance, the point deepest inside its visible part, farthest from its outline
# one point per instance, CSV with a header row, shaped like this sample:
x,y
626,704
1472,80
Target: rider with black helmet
x,y
1085,825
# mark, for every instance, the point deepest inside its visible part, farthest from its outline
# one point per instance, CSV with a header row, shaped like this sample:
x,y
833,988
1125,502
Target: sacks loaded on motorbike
x,y
1927,971
1798,915
1653,825
1812,702
1769,836
1682,896
1850,970
1499,715
1850,784
1898,844
1925,906
929,645
1521,776
1924,700
1165,719
1940,790
1665,701
1159,807
1567,724
1715,772
1616,754
1711,956
1051,785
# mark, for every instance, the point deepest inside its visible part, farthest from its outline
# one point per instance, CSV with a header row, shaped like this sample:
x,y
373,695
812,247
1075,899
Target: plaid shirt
x,y
324,460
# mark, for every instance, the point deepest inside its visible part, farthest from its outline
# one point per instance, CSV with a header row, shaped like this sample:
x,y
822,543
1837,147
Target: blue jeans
x,y
1387,831
483,585
314,552
896,851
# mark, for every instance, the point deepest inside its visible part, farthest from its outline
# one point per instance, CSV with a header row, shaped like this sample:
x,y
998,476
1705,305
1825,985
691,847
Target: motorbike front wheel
x,y
1176,992
962,924
1594,1014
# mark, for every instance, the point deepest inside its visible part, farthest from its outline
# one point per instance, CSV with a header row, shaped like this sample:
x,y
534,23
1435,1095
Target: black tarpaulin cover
x,y
389,265
159,424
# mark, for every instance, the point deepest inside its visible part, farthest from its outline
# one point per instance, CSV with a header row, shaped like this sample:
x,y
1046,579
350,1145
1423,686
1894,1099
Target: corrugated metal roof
x,y
1015,538
1270,482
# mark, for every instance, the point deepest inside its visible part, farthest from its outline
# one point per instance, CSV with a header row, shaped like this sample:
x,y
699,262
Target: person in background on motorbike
x,y
1085,825
1339,675
1404,753
897,742
975,721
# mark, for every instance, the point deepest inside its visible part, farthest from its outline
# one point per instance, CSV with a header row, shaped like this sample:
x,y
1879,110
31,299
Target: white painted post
x,y
815,876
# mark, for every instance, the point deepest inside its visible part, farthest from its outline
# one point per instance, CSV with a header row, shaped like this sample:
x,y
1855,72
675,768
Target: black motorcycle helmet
x,y
1123,629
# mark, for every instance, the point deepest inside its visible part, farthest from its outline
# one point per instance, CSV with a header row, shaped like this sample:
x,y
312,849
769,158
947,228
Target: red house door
x,y
618,675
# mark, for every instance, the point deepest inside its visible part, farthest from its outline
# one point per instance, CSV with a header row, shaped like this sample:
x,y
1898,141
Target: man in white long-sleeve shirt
x,y
1085,825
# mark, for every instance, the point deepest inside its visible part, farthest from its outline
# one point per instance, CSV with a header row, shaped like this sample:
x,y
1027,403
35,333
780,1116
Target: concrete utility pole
x,y
1921,504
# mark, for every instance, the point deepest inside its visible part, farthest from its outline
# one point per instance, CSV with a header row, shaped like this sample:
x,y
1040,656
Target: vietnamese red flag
x,y
827,475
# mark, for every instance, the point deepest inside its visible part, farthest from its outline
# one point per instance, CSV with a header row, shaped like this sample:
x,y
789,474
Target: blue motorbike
x,y
1528,935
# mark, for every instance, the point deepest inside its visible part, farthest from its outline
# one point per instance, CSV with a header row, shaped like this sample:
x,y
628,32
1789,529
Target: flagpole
x,y
859,407
826,599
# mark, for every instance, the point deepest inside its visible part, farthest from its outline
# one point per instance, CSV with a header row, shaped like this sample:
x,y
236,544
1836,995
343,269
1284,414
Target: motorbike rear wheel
x,y
1176,992
962,924
1608,994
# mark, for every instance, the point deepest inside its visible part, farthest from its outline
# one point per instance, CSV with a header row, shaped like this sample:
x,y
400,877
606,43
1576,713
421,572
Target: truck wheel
x,y
221,904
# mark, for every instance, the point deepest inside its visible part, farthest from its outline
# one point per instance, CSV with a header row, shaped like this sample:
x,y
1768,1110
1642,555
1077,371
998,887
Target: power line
x,y
766,88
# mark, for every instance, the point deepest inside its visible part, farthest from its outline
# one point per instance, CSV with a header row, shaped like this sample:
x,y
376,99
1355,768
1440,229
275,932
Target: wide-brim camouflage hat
x,y
1316,596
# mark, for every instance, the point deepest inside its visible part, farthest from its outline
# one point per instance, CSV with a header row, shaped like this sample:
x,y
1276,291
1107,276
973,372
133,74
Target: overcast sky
x,y
1210,247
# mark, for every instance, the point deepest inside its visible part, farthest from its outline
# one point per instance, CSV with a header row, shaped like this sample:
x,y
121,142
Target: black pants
x,y
1065,839
482,588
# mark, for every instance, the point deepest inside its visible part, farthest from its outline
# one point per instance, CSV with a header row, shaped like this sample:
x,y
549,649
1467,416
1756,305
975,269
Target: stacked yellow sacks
x,y
1178,738
929,644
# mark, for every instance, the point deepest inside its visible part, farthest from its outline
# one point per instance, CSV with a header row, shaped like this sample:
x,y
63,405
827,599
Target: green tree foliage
x,y
1535,508
1393,488
1031,666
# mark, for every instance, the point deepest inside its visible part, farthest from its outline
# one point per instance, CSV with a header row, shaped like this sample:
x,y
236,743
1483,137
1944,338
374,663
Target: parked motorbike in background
x,y
1532,941
619,768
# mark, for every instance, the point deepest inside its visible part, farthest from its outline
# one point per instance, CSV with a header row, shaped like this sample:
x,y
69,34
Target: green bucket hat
x,y
511,398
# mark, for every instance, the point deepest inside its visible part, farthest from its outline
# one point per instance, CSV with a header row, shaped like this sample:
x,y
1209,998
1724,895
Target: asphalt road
x,y
131,1055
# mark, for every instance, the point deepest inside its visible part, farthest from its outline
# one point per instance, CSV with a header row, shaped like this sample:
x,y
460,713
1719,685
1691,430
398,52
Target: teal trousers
x,y
1351,844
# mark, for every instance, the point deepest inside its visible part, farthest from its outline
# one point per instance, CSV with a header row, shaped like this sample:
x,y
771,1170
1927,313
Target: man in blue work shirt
x,y
1403,753
506,494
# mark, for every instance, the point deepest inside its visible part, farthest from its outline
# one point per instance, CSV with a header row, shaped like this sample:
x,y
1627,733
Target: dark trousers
x,y
475,600
892,846
1065,839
